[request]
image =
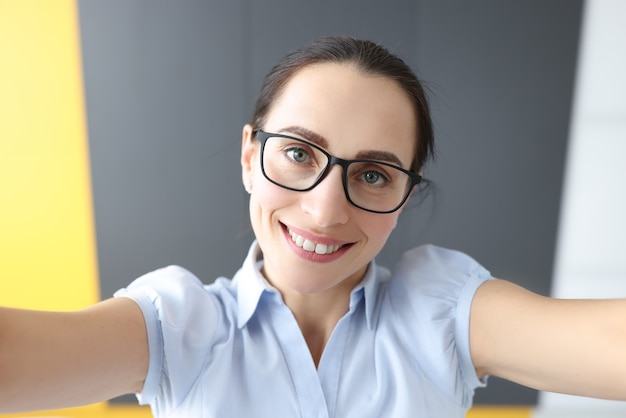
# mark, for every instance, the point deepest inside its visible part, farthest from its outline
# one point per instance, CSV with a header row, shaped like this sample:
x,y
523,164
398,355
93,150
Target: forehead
x,y
352,110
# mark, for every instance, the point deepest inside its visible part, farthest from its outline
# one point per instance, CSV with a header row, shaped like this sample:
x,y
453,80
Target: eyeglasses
x,y
299,165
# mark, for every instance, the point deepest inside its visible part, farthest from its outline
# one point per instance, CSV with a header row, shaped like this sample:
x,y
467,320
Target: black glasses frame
x,y
263,136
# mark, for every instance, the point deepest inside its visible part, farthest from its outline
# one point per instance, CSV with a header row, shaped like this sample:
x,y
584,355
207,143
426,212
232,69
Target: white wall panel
x,y
591,253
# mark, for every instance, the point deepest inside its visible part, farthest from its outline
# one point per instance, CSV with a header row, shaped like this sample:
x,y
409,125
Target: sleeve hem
x,y
155,347
463,328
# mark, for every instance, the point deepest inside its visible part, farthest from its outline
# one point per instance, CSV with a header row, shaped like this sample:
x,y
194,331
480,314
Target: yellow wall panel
x,y
103,412
47,245
500,412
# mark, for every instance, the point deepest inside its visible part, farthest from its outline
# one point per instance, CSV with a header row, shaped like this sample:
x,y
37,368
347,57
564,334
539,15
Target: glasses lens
x,y
292,163
377,186
298,165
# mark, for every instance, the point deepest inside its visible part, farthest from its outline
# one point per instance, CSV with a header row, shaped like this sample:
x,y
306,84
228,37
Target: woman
x,y
310,325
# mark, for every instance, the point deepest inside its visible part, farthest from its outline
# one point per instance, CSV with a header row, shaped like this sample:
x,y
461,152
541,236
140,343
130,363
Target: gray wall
x,y
170,84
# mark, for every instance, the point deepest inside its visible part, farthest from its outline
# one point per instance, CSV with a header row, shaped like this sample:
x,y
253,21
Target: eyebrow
x,y
307,134
322,142
380,156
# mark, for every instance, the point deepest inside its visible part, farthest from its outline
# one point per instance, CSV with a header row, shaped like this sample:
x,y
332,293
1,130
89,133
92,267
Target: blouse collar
x,y
251,285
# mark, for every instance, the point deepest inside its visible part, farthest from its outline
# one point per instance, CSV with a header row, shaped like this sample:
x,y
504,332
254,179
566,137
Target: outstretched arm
x,y
567,346
52,360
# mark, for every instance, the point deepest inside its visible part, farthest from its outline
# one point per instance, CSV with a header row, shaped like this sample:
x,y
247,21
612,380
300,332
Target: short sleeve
x,y
434,289
181,319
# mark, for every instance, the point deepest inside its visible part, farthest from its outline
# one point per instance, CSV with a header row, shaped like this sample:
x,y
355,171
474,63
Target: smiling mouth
x,y
311,246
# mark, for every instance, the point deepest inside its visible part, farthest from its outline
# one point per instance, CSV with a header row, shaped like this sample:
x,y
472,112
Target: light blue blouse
x,y
234,349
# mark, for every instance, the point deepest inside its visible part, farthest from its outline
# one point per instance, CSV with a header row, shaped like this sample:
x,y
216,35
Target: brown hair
x,y
368,57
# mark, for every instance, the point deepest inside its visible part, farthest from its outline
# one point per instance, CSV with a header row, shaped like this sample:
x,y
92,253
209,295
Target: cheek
x,y
378,228
267,197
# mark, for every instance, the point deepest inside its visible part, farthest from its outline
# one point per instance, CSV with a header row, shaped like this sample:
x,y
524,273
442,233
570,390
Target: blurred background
x,y
120,126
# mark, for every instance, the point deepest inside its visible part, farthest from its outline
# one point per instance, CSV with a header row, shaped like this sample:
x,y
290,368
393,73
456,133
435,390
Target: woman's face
x,y
351,114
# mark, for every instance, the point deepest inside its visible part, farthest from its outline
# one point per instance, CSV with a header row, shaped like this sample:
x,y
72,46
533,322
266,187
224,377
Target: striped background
x,y
50,254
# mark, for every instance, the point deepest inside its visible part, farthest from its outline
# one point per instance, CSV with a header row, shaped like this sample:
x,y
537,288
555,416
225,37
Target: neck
x,y
317,315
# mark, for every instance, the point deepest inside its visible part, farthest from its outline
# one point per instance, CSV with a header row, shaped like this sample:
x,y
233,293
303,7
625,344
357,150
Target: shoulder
x,y
431,278
431,292
429,268
183,319
170,278
178,297
431,259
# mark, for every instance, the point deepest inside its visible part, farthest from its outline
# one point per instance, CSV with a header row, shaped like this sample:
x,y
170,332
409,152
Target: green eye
x,y
299,155
374,177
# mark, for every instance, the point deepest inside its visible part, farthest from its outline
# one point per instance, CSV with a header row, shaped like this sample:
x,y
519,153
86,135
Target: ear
x,y
406,202
421,173
248,156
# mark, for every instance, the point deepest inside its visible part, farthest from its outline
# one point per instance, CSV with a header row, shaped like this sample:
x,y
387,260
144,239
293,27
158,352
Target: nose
x,y
326,203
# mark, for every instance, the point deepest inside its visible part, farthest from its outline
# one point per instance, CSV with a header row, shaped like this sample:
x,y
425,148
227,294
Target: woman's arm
x,y
568,346
52,360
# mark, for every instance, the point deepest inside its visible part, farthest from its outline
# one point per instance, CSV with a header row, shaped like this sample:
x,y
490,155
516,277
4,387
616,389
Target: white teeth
x,y
321,248
311,246
308,245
